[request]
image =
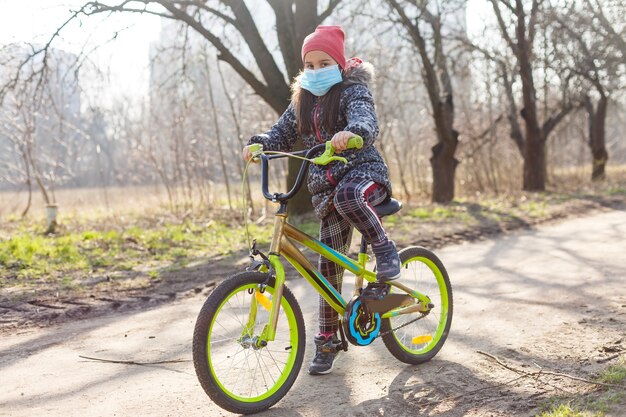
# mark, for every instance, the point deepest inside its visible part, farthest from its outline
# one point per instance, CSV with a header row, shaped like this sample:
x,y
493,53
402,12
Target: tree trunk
x,y
596,142
534,161
29,182
535,144
30,199
444,165
38,179
534,171
439,88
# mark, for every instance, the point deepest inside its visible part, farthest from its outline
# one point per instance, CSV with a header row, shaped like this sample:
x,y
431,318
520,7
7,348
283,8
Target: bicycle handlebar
x,y
299,179
355,142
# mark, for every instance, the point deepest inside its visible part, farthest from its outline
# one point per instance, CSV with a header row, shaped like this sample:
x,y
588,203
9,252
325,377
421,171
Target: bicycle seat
x,y
388,207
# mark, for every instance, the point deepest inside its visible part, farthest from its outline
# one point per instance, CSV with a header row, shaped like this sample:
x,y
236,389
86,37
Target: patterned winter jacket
x,y
357,115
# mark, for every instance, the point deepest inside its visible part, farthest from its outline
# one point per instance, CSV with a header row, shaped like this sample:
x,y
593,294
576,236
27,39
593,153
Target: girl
x,y
331,101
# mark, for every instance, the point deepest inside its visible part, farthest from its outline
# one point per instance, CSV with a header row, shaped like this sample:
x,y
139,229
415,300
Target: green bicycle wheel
x,y
420,340
235,371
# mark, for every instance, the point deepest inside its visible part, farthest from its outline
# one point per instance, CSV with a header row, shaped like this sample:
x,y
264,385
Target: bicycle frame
x,y
283,240
282,243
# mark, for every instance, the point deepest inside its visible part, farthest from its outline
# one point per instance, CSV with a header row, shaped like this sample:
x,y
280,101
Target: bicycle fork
x,y
268,333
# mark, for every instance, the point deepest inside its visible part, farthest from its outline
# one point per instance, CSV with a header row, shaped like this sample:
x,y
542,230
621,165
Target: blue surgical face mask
x,y
319,81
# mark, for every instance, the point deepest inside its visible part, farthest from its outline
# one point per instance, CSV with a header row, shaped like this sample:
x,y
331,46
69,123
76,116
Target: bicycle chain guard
x,y
360,325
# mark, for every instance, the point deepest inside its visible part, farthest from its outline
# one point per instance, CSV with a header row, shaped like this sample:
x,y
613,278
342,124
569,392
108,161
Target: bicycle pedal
x,y
375,291
339,347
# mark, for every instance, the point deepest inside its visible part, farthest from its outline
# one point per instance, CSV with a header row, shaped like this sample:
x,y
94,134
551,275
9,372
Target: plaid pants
x,y
354,203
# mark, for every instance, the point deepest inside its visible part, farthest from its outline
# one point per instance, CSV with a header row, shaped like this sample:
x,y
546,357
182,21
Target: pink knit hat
x,y
328,39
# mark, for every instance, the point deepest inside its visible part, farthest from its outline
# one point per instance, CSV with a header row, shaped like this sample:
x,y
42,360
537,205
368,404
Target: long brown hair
x,y
303,102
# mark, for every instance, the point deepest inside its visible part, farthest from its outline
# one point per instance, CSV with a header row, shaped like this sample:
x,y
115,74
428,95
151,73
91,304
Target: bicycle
x,y
248,342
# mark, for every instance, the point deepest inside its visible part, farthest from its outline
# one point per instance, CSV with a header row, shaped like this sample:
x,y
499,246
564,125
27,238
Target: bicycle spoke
x,y
259,360
275,361
225,329
229,357
276,351
226,339
254,376
233,314
270,375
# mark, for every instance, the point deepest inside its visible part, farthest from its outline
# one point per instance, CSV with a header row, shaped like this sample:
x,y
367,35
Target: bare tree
x,y
437,80
592,52
239,135
216,123
608,26
40,121
17,126
221,21
521,42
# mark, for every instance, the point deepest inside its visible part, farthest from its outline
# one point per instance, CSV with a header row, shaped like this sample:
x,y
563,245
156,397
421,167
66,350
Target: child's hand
x,y
246,154
340,140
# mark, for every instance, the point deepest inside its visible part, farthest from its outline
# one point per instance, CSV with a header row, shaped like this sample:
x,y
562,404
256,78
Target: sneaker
x,y
326,350
387,261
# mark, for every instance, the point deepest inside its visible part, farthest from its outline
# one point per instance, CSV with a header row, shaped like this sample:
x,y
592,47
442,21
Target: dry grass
x,y
137,235
97,204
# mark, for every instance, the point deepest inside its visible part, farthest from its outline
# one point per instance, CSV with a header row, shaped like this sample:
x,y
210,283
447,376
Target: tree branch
x,y
554,120
134,362
532,23
542,372
203,6
606,25
332,4
502,24
14,81
431,82
224,53
263,57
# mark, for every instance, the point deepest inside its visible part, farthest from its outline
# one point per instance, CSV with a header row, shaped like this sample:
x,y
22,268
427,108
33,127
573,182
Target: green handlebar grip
x,y
355,142
255,147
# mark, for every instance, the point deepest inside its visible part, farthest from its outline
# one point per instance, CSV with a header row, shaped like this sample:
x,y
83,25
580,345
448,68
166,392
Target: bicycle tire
x,y
421,340
218,335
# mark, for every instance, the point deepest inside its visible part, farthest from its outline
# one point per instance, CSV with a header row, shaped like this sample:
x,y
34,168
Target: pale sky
x,y
126,56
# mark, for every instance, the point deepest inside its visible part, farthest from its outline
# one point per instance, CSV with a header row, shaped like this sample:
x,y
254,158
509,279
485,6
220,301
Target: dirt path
x,y
553,297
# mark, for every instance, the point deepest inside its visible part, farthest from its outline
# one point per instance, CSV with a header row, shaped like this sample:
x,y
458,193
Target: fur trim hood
x,y
363,73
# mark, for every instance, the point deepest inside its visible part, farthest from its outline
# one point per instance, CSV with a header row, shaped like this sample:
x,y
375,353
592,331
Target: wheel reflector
x,y
420,340
263,300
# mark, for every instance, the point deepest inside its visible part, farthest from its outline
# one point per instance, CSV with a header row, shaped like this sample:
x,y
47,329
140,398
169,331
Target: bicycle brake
x,y
328,156
259,265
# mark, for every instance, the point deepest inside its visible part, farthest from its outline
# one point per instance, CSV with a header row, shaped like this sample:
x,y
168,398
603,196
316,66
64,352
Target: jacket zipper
x,y
317,130
329,176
